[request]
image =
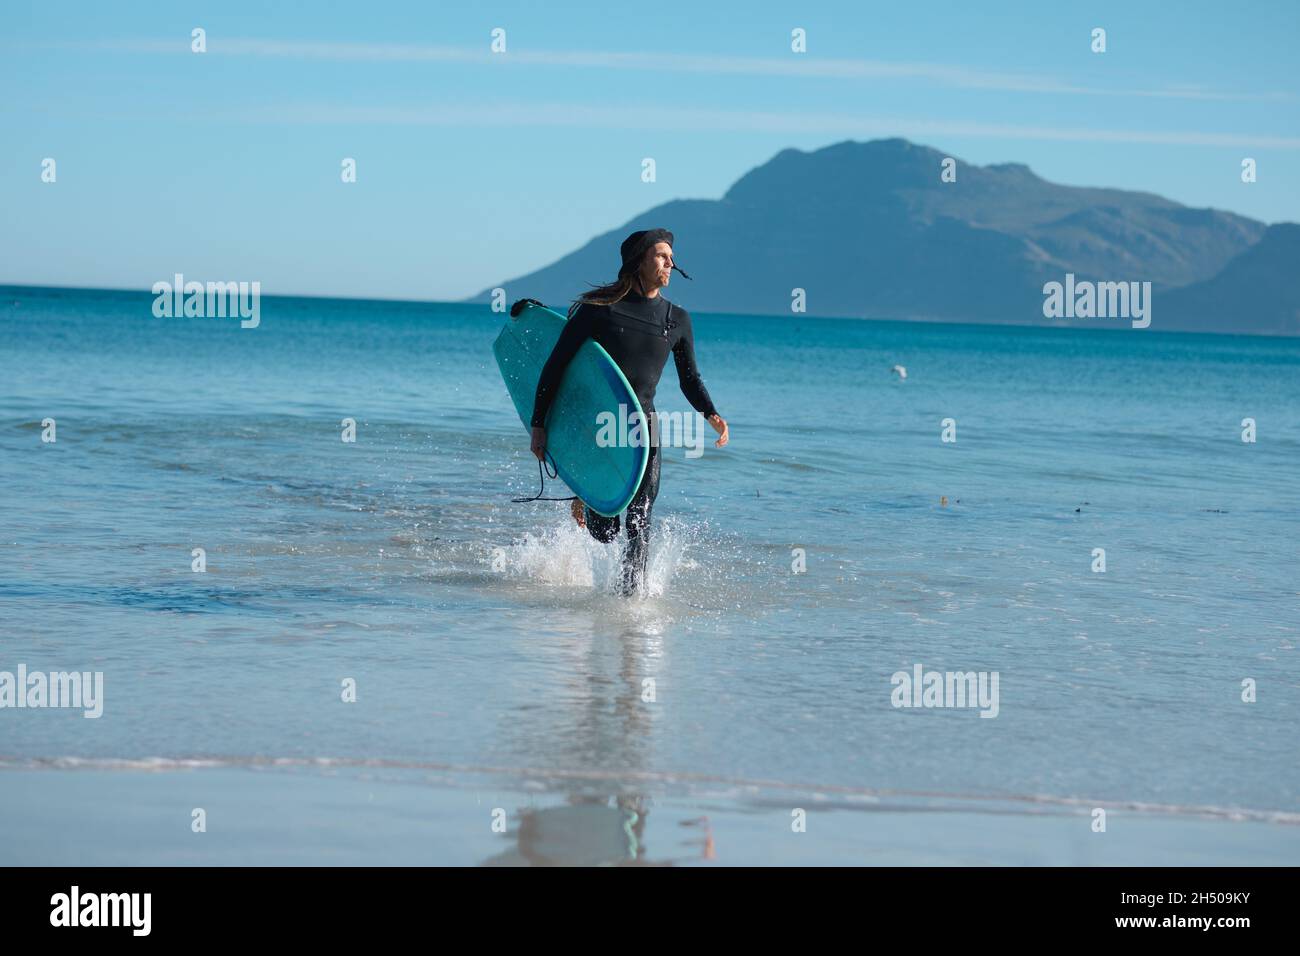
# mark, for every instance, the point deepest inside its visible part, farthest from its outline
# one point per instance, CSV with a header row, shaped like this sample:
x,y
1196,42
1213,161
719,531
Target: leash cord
x,y
545,469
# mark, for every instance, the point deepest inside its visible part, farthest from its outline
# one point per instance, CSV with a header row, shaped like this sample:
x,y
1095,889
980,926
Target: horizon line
x,y
750,315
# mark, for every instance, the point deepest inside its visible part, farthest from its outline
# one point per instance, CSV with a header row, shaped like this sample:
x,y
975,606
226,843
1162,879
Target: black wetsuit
x,y
638,333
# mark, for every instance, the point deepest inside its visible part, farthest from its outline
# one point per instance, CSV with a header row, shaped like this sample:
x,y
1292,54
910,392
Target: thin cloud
x,y
573,115
801,65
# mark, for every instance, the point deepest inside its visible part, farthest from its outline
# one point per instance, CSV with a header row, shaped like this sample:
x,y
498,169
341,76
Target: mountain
x,y
1255,292
868,229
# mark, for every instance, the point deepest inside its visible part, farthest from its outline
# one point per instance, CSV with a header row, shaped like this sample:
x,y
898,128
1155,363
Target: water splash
x,y
566,556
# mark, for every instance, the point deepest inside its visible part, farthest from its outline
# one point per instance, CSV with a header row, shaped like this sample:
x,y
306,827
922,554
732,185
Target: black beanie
x,y
635,245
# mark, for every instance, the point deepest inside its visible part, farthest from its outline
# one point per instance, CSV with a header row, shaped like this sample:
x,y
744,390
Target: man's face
x,y
657,269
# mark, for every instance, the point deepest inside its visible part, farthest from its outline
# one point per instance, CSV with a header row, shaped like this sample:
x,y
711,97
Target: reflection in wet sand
x,y
589,831
597,715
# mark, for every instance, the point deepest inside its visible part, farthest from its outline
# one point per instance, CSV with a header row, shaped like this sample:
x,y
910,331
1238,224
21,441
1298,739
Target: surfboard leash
x,y
542,475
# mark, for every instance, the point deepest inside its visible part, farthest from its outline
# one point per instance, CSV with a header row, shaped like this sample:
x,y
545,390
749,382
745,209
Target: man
x,y
638,327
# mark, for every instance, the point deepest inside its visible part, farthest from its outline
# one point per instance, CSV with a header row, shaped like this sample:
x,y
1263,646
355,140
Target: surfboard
x,y
604,475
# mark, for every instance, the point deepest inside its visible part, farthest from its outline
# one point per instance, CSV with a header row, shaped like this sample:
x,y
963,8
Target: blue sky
x,y
474,167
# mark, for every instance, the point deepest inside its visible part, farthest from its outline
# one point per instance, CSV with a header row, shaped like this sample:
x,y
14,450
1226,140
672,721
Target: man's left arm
x,y
688,376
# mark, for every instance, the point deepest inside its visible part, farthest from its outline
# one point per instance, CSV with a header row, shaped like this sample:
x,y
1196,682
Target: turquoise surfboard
x,y
605,478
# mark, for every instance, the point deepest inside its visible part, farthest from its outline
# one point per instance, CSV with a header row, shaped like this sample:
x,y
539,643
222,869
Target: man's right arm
x,y
576,331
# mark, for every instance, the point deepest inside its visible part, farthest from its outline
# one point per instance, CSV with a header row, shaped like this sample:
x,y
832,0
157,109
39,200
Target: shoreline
x,y
377,813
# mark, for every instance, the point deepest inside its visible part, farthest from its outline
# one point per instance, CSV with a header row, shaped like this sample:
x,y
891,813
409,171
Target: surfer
x,y
638,327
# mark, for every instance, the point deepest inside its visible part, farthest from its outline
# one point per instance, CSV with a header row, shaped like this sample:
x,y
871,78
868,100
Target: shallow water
x,y
486,634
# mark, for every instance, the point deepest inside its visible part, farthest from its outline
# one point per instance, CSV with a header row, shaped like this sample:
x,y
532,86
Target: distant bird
x,y
902,372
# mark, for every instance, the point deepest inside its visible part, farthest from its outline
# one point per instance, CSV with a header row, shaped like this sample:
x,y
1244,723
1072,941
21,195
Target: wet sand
x,y
395,816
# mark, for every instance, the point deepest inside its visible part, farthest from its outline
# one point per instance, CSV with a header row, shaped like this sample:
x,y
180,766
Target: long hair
x,y
611,292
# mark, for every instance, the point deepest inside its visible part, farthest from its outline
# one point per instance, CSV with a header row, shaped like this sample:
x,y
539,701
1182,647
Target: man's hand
x,y
720,426
519,306
539,442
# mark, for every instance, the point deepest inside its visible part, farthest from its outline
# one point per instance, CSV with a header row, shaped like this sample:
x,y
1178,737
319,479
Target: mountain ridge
x,y
869,230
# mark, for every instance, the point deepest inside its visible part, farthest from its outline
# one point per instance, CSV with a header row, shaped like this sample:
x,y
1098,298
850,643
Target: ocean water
x,y
485,636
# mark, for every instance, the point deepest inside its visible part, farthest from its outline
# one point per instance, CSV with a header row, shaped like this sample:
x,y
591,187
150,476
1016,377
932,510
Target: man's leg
x,y
637,551
602,529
